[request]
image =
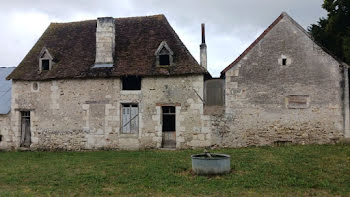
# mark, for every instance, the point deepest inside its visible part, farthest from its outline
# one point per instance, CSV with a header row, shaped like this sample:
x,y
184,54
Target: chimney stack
x,y
105,42
203,49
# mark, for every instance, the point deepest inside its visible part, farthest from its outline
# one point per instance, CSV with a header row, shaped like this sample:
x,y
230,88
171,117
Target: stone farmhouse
x,y
130,83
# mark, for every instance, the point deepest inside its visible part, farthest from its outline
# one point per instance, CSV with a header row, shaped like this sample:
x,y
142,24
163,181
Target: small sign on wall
x,y
297,101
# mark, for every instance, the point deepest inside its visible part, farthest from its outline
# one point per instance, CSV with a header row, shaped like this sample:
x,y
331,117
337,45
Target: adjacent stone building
x,y
285,88
130,83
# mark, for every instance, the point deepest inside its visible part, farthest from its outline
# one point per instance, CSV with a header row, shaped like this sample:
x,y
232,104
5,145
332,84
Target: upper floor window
x,y
164,60
45,64
164,55
131,83
45,60
284,60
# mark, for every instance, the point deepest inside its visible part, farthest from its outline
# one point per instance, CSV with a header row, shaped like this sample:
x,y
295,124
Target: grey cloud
x,y
231,25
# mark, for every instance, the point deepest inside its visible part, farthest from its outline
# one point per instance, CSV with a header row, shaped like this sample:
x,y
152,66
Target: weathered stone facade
x,y
283,88
5,132
298,99
85,114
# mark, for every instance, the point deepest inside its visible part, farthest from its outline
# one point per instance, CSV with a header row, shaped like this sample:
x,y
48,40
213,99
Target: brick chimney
x,y
105,42
203,49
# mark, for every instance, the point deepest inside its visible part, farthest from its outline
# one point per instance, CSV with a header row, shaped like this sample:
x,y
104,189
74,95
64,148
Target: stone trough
x,y
211,164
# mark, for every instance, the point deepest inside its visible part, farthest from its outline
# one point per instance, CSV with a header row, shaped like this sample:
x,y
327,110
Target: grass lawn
x,y
314,170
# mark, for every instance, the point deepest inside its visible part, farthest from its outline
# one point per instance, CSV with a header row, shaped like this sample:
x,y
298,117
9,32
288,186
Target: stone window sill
x,y
129,135
130,92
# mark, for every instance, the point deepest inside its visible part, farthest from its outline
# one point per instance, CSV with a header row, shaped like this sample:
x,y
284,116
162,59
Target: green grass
x,y
315,170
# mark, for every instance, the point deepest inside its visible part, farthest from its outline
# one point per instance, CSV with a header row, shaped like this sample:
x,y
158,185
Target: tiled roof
x,y
72,46
5,90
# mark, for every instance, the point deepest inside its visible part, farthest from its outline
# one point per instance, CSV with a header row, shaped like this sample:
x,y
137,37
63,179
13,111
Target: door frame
x,y
25,129
171,111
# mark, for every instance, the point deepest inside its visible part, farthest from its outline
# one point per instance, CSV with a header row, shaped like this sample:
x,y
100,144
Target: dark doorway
x,y
169,127
25,129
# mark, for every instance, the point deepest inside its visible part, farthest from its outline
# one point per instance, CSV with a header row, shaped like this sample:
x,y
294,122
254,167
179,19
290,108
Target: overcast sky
x,y
231,25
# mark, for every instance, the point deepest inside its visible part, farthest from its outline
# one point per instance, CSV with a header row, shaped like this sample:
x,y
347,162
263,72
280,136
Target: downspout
x,y
346,103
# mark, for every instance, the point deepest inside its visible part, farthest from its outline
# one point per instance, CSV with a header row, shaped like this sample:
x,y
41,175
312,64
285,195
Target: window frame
x,y
45,56
42,63
123,124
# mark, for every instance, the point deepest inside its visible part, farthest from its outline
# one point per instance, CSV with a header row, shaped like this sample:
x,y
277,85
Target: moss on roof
x,y
73,46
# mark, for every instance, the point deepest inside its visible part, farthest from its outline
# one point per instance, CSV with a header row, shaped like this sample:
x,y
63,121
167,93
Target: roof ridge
x,y
135,37
117,18
297,25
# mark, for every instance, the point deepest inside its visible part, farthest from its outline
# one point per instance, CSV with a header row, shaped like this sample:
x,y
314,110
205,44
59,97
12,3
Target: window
x,y
164,55
35,86
45,60
131,83
45,64
164,60
0,138
284,61
130,118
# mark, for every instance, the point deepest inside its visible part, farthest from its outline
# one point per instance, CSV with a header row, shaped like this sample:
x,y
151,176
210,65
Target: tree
x,y
333,32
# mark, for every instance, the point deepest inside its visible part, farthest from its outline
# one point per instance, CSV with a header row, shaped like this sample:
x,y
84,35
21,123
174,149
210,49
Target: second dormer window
x,y
164,55
45,64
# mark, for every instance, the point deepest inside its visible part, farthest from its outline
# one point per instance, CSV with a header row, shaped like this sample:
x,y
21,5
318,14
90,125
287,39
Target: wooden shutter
x,y
126,119
134,123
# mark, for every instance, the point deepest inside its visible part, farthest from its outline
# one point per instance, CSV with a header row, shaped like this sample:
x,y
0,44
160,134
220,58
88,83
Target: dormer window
x,y
45,60
164,55
164,60
45,64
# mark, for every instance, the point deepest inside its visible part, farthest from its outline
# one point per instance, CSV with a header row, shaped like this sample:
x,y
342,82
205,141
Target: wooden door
x,y
25,129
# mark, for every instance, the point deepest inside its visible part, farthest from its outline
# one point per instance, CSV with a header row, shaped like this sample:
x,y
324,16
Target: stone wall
x,y
85,114
267,101
5,132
